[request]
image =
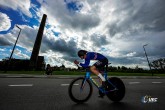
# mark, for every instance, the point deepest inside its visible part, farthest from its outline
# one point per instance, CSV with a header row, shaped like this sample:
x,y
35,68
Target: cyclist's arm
x,y
87,61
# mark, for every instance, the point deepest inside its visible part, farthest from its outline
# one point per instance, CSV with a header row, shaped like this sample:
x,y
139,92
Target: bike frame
x,y
88,77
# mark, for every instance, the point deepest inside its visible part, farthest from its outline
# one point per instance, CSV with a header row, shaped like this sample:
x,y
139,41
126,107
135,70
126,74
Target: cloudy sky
x,y
116,28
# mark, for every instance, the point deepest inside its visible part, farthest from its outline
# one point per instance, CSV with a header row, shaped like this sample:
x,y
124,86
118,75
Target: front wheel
x,y
119,93
80,90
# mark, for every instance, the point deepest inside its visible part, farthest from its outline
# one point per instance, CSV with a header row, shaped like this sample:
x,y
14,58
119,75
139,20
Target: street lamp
x,y
147,57
13,48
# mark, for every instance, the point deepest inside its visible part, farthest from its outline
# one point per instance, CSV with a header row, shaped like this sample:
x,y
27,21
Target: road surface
x,y
52,94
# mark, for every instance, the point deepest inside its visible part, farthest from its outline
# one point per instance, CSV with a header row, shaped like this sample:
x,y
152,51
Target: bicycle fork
x,y
87,76
83,84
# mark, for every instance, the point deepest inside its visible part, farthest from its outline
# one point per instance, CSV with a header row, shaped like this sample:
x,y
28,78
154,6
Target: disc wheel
x,y
116,95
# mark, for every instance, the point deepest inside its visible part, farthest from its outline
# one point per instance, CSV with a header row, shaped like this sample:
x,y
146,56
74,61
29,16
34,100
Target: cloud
x,y
132,17
59,13
4,42
98,40
22,6
131,54
61,46
54,49
2,50
5,22
26,38
19,53
118,29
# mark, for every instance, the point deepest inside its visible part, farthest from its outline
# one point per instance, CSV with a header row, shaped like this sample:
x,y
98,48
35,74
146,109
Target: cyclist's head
x,y
81,53
48,65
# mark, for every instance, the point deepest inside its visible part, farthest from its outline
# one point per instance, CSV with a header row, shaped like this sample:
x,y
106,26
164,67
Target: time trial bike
x,y
80,89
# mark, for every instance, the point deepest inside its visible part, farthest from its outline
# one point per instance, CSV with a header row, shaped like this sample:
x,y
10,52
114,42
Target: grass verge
x,y
80,73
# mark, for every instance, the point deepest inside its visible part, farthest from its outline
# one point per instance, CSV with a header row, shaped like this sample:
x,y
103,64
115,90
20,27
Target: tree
x,y
158,64
124,68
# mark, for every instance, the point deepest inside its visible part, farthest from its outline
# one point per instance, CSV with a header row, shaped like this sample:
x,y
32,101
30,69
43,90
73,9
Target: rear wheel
x,y
118,94
80,91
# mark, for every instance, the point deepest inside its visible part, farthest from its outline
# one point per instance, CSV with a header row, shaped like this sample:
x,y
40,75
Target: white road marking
x,y
156,82
134,82
20,85
64,84
69,84
128,83
75,84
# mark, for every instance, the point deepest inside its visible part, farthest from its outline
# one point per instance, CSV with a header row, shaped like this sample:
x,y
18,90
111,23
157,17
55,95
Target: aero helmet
x,y
81,53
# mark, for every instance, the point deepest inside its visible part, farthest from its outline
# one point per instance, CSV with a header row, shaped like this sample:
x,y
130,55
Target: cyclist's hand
x,y
76,62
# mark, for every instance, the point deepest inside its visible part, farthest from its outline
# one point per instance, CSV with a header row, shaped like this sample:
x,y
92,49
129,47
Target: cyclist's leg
x,y
99,64
96,72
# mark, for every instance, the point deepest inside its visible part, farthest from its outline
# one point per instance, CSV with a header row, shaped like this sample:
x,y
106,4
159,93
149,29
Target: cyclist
x,y
101,62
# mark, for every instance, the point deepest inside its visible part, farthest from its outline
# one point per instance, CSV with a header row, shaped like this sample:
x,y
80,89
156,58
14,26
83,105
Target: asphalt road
x,y
52,94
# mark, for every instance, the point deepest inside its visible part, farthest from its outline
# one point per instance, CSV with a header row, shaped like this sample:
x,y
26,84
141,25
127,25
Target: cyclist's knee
x,y
92,68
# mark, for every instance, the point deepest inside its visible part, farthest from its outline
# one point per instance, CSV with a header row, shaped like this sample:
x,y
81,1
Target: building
x,y
21,64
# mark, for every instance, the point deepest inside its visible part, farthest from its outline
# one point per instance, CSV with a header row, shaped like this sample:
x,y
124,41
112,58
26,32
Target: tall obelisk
x,y
37,44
